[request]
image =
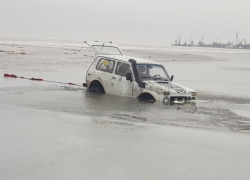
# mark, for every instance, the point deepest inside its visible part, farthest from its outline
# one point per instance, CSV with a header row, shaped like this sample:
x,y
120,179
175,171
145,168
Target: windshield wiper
x,y
164,79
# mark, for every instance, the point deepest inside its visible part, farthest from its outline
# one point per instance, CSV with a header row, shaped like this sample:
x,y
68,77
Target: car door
x,y
120,85
105,69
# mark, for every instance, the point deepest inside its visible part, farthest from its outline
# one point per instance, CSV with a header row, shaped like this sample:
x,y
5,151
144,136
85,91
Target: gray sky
x,y
126,21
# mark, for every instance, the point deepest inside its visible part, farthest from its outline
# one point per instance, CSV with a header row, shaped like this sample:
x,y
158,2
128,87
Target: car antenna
x,y
102,45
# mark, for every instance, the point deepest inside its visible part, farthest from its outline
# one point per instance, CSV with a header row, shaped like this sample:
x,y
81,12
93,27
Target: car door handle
x,y
113,77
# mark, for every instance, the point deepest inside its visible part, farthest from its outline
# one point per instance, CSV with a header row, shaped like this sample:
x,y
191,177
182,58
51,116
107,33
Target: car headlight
x,y
166,93
166,100
193,93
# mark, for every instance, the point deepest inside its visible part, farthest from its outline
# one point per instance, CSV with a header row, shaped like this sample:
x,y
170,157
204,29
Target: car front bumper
x,y
178,99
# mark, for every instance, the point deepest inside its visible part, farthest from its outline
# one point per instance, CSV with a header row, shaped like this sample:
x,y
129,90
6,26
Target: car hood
x,y
160,87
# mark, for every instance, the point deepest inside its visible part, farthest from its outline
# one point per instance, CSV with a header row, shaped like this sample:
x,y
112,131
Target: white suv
x,y
112,72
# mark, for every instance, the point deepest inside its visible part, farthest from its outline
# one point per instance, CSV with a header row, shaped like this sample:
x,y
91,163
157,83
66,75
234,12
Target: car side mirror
x,y
172,78
129,77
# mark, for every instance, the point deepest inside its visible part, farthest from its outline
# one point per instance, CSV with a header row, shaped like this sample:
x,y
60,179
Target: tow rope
x,y
38,79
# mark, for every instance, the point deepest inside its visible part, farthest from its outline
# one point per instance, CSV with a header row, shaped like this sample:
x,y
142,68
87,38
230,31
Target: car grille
x,y
179,98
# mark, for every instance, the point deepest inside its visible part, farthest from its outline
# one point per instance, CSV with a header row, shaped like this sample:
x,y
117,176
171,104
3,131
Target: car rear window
x,y
106,65
107,50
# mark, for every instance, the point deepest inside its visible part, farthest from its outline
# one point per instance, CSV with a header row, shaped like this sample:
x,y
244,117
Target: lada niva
x,y
113,73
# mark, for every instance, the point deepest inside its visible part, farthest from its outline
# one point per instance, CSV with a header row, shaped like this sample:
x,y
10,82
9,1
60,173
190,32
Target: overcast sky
x,y
155,22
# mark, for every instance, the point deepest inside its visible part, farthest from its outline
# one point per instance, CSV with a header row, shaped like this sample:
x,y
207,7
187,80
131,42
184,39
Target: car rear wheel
x,y
96,87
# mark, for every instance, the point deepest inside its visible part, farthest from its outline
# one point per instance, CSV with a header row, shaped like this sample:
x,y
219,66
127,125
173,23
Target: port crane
x,y
201,42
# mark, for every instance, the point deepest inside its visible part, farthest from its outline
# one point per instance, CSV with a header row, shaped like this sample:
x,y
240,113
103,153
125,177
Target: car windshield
x,y
152,72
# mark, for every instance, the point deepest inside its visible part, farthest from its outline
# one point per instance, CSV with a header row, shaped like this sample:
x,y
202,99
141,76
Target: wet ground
x,y
57,131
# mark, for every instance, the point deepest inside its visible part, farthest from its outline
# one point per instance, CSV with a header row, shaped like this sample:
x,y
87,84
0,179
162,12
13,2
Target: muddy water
x,y
216,76
56,131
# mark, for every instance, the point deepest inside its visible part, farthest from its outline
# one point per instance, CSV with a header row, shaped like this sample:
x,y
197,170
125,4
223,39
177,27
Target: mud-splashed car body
x,y
113,73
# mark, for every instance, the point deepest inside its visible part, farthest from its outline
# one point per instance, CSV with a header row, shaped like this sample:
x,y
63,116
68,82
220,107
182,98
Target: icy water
x,y
47,128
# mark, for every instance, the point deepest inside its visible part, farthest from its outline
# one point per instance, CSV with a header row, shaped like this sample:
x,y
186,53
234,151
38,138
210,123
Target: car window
x,y
122,69
106,65
141,70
